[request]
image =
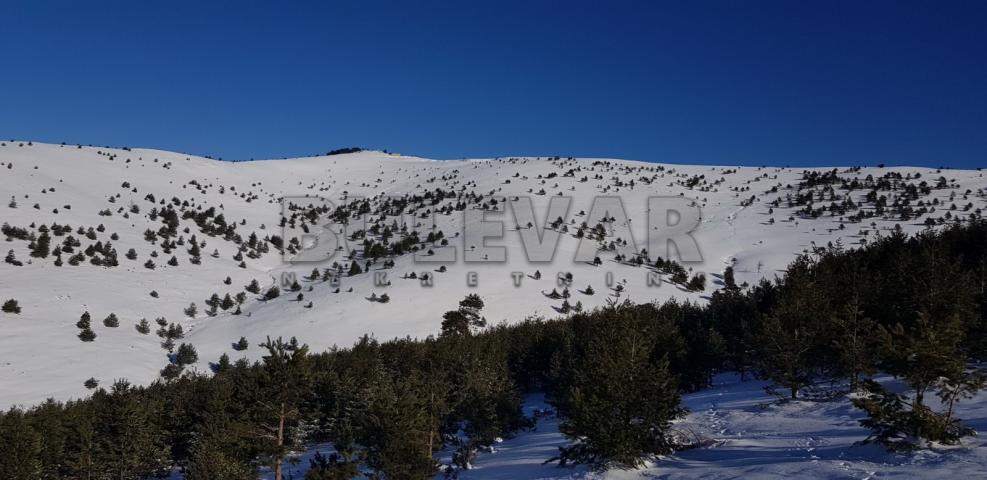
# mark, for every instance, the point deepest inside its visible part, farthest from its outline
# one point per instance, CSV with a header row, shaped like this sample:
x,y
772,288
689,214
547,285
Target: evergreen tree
x,y
128,437
620,400
80,444
790,337
209,462
395,430
85,321
87,335
217,453
42,246
143,327
170,371
11,306
20,447
855,342
272,293
186,355
282,386
223,365
728,279
11,259
697,283
925,353
734,317
462,320
227,302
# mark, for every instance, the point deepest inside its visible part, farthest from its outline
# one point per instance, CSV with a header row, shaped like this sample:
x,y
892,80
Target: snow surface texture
x,y
747,434
41,355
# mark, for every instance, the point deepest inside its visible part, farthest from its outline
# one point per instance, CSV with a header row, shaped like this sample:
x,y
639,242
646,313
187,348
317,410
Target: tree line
x,y
913,307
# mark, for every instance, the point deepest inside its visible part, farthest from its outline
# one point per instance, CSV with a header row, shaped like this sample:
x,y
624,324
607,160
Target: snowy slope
x,y
746,433
41,356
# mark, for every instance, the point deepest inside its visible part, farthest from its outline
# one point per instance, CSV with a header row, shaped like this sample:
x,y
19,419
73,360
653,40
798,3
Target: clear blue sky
x,y
738,82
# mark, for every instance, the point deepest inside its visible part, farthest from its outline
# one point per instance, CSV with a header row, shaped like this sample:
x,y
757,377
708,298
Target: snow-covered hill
x,y
754,219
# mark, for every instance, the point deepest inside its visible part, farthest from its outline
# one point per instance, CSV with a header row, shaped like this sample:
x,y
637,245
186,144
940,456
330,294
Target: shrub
x,y
11,306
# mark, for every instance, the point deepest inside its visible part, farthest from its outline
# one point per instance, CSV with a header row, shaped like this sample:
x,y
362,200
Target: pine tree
x,y
227,302
111,321
11,306
87,335
734,317
85,321
223,365
728,279
272,293
617,374
282,386
395,429
42,246
143,327
855,342
171,371
697,283
211,459
129,440
790,337
462,320
20,447
186,355
11,259
213,301
925,353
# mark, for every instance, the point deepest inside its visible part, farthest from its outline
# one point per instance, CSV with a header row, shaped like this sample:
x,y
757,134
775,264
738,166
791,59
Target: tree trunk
x,y
279,457
431,405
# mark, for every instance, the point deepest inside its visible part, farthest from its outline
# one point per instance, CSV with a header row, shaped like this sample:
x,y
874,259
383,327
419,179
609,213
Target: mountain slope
x,y
755,219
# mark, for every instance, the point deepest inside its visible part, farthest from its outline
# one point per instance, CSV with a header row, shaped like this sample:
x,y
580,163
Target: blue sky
x,y
738,82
